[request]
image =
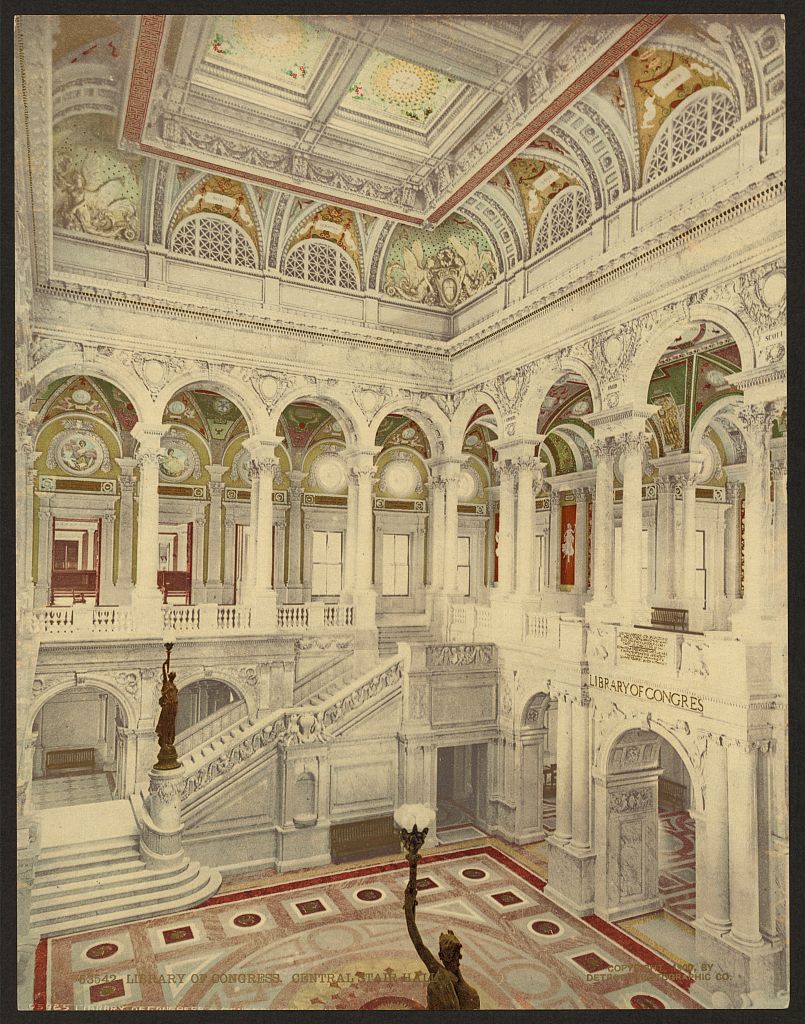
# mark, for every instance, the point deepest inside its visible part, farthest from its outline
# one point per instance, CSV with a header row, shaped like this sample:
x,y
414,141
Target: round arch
x,y
718,408
654,347
61,364
341,408
253,410
647,724
538,390
534,710
130,710
428,417
200,675
460,423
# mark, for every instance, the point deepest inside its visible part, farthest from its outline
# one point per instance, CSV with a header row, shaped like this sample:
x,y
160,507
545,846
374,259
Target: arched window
x,y
321,263
704,118
210,237
566,213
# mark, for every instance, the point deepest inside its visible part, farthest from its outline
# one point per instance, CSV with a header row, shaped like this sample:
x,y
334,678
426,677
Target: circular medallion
x,y
471,441
247,920
645,1002
79,453
408,433
102,950
368,895
222,406
81,396
474,873
329,474
581,407
545,927
613,349
467,485
178,459
398,81
177,407
773,288
399,479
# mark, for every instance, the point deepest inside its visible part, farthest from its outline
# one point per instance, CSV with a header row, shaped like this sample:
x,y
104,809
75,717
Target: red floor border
x,y
668,971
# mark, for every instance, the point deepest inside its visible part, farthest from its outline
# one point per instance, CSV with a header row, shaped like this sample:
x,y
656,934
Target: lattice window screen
x,y
321,263
704,119
566,213
219,239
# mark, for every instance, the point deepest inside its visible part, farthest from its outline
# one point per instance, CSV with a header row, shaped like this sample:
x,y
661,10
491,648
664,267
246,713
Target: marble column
x,y
687,545
214,535
263,467
107,554
198,590
247,580
350,539
743,844
125,529
633,445
506,529
364,596
714,887
603,516
564,770
582,496
44,562
146,593
438,487
732,537
665,588
554,530
27,553
756,421
580,724
229,550
779,473
529,477
295,491
450,474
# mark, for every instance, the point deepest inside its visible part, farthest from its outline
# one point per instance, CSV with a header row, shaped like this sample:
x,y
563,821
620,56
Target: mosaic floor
x,y
337,941
71,790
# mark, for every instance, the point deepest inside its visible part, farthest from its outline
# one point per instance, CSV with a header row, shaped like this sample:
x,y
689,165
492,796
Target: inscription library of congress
x,y
401,441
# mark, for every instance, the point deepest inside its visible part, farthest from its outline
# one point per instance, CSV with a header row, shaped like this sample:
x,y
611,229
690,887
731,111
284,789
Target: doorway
x,y
175,576
75,563
460,786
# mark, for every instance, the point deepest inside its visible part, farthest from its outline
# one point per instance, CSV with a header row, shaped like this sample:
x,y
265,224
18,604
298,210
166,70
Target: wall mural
x,y
301,420
390,85
274,48
689,378
538,182
97,190
400,430
224,196
661,80
565,399
442,267
334,224
78,450
609,89
86,37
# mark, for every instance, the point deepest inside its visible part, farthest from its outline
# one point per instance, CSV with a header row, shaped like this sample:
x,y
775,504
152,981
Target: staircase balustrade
x,y
212,725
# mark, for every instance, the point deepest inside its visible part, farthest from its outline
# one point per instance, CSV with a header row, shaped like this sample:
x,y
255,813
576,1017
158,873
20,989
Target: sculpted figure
x,y
447,989
166,723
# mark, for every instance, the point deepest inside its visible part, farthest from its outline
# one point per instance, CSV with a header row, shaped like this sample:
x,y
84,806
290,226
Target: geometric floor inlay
x,y
339,942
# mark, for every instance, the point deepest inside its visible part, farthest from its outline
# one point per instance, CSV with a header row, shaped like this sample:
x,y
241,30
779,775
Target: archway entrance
x,y
647,866
78,749
206,708
460,788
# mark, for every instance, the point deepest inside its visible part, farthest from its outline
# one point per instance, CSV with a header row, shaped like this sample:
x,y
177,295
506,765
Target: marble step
x,y
82,872
98,914
77,856
60,901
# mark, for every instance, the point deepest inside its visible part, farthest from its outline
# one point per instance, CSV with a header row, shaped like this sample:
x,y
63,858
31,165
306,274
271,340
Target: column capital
x,y
361,460
516,448
216,473
582,494
604,449
626,419
631,442
756,420
148,438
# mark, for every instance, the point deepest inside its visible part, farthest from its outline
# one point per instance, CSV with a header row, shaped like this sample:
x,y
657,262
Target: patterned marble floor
x,y
70,790
337,941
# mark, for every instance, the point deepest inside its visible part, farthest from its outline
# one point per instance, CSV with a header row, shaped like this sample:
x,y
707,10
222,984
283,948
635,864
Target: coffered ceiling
x,y
395,115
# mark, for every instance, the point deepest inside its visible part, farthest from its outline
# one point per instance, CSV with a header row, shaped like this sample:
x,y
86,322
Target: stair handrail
x,y
222,718
321,676
301,724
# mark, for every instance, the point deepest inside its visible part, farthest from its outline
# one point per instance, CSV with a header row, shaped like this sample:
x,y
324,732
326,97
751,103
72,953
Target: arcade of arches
x,y
471,496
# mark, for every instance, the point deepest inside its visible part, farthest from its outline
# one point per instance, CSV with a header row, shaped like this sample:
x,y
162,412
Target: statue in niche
x,y
447,989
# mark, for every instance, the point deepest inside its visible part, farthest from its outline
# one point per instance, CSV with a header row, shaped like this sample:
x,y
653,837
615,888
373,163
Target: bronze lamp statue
x,y
447,989
169,705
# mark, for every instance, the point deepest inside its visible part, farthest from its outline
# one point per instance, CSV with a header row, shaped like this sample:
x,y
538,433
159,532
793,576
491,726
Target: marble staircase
x,y
389,636
90,873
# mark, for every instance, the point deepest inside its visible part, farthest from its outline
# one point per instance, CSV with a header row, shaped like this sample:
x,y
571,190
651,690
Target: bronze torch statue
x,y
169,705
447,989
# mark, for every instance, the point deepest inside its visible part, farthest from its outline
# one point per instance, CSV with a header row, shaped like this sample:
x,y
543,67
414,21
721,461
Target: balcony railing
x,y
79,621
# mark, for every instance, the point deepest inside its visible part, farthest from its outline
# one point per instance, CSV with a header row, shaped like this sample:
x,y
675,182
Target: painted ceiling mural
x,y
301,420
390,85
397,430
661,80
97,189
610,89
212,415
86,395
281,49
223,196
334,224
441,267
79,38
568,399
538,181
688,379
